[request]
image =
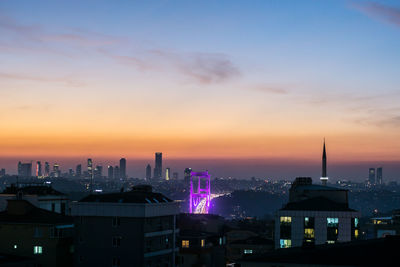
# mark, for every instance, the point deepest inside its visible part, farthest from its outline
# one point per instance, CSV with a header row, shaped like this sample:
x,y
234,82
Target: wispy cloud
x,y
379,11
271,89
24,77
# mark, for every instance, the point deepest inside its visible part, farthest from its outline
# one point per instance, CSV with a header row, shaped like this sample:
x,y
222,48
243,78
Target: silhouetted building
x,y
2,172
28,231
379,176
371,176
167,174
98,171
122,168
186,176
175,176
24,170
78,172
38,169
110,172
134,228
116,172
315,214
56,170
158,166
148,172
42,196
46,169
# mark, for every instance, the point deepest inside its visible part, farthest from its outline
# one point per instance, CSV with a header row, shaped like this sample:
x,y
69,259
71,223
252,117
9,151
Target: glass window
x,y
286,220
285,243
356,222
116,221
203,243
185,243
37,249
309,233
332,222
116,241
248,251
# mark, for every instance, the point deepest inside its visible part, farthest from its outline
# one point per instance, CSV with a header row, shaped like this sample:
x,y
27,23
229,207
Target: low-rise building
x,y
39,234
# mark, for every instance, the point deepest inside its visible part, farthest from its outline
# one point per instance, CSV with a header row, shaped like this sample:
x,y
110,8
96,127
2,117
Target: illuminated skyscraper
x,y
38,169
46,169
167,174
148,172
110,172
158,166
56,170
379,176
78,172
371,176
122,168
90,168
324,176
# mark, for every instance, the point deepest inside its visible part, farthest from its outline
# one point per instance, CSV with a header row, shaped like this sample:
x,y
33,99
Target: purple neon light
x,y
202,195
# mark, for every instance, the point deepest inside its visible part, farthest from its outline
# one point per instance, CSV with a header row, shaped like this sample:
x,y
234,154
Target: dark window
x,y
285,227
116,262
116,241
116,221
53,207
63,208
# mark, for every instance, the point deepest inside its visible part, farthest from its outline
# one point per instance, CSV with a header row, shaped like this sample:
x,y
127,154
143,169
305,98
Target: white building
x,y
315,215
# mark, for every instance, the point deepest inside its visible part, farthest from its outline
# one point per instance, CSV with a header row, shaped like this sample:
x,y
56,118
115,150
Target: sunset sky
x,y
240,80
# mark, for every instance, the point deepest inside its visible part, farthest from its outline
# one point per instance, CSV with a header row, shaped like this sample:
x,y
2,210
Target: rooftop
x,y
40,190
317,204
22,211
139,194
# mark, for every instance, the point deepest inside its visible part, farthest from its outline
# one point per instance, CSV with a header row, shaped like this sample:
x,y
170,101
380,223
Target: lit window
x,y
185,243
332,222
356,222
37,249
248,251
203,243
309,233
15,246
330,242
220,240
285,243
356,233
286,220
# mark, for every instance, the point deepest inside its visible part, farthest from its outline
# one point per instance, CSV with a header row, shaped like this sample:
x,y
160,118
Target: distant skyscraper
x,y
56,170
116,172
324,176
371,177
148,172
175,176
122,168
24,169
70,172
186,176
98,171
2,172
38,169
90,168
46,169
158,167
379,176
110,172
78,172
167,174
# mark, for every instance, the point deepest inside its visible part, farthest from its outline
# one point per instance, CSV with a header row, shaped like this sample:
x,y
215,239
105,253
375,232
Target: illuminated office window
x,y
203,243
285,243
37,249
185,243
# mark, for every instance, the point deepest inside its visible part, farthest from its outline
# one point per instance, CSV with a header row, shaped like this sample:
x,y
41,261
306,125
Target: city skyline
x,y
180,78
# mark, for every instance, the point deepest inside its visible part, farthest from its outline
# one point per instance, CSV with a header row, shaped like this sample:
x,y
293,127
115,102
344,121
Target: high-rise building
x,y
122,168
110,172
24,169
2,172
371,176
78,172
324,176
379,176
186,176
167,174
175,176
98,171
56,170
90,168
116,172
148,172
38,169
46,169
158,166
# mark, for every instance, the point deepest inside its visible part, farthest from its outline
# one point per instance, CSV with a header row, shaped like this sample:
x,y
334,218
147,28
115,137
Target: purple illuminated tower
x,y
200,194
